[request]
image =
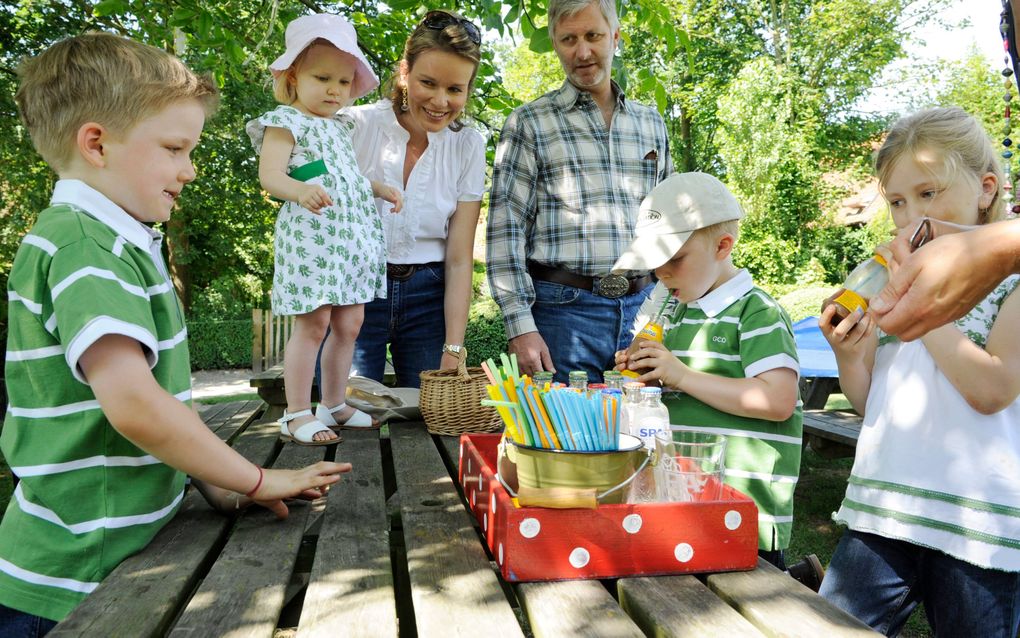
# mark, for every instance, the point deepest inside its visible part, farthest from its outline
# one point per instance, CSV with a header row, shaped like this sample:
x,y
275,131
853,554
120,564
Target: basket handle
x,y
462,364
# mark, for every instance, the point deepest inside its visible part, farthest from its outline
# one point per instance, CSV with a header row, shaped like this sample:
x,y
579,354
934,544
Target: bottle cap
x,y
578,374
633,385
597,386
652,390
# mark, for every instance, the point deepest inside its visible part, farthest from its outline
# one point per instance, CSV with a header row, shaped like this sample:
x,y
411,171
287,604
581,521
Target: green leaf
x,y
110,7
235,51
660,97
540,42
403,5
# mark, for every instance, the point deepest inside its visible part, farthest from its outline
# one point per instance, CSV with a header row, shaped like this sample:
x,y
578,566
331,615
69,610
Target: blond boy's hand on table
x,y
139,409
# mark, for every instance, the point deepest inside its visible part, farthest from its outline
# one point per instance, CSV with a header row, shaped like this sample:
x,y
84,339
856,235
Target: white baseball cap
x,y
335,29
679,205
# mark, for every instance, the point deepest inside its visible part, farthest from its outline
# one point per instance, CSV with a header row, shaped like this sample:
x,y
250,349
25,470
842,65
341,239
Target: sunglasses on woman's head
x,y
441,20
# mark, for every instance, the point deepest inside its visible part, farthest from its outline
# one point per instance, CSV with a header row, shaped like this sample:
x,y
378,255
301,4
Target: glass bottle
x,y
631,399
541,378
649,417
653,331
578,379
864,282
613,379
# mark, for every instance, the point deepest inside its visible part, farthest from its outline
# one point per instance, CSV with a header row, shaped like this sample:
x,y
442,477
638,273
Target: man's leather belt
x,y
610,286
403,272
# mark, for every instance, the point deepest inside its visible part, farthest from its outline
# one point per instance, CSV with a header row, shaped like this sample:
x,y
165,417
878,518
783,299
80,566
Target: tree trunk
x,y
177,248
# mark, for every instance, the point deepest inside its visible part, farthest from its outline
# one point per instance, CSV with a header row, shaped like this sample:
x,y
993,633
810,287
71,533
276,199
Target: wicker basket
x,y
451,401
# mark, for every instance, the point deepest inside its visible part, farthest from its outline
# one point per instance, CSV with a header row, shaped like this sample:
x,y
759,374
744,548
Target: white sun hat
x,y
335,29
679,205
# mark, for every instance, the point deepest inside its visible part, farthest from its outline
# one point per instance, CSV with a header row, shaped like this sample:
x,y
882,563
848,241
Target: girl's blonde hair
x,y
103,78
958,137
451,39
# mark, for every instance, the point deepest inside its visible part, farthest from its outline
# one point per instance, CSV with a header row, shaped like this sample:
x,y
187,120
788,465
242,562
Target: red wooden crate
x,y
536,543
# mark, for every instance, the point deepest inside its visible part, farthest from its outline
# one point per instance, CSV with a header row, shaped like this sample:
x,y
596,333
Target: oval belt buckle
x,y
613,286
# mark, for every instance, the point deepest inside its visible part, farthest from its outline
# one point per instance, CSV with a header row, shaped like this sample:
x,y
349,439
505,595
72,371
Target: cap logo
x,y
653,216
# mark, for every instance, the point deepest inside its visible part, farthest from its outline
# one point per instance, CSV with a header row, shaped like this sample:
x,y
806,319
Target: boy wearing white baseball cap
x,y
728,360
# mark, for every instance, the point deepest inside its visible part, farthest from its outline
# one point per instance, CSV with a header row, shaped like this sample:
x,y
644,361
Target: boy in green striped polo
x,y
99,431
728,360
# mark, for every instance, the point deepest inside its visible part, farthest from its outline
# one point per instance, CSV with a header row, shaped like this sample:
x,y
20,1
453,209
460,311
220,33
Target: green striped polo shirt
x,y
87,498
739,331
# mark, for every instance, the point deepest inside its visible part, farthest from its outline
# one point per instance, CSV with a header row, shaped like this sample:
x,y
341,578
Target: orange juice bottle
x,y
864,282
653,331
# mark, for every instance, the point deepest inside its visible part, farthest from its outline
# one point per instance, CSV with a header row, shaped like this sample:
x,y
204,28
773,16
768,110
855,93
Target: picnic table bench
x,y
393,551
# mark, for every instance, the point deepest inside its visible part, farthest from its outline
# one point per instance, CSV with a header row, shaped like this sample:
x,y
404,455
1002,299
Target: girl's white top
x,y
451,170
929,469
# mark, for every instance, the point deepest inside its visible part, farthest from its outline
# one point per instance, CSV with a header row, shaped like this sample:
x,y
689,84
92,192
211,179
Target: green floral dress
x,y
339,256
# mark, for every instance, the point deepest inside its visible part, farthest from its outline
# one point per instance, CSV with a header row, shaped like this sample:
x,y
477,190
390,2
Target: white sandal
x,y
303,435
357,421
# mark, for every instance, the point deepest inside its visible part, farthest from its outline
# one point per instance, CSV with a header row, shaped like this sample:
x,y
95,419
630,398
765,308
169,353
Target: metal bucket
x,y
605,472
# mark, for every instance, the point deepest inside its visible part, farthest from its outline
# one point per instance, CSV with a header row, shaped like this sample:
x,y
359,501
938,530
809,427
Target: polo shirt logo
x,y
719,339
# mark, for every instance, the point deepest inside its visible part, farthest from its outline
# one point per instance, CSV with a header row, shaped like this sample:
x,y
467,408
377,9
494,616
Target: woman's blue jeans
x,y
582,330
880,581
411,320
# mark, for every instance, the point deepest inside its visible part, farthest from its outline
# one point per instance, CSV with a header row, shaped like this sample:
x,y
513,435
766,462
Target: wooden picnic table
x,y
393,551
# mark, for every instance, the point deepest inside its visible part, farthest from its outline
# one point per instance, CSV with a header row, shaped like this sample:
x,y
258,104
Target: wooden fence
x,y
269,336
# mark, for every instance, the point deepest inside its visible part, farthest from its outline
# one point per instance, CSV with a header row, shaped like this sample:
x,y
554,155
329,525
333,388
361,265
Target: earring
x,y
403,100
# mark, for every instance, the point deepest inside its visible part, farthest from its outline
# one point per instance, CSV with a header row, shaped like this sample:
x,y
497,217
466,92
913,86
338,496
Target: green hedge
x,y
218,344
485,336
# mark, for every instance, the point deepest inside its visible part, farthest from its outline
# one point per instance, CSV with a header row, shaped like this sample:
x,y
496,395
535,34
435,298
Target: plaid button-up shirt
x,y
566,191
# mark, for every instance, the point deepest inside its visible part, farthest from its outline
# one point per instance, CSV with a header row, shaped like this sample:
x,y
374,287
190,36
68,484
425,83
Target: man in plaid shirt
x,y
571,170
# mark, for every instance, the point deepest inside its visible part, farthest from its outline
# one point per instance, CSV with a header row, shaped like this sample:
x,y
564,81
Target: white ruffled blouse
x,y
451,170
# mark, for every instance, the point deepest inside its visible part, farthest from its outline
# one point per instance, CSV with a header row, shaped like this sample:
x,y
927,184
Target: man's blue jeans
x,y
582,330
880,581
18,624
411,320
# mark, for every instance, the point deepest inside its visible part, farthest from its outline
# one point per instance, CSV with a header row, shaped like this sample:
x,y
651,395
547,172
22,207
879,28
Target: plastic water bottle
x,y
650,417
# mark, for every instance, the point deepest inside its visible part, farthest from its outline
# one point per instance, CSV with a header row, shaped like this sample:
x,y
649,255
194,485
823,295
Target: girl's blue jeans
x,y
880,581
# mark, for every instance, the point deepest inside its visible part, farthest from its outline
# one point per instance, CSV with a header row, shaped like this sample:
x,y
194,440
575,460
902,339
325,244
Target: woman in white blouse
x,y
416,139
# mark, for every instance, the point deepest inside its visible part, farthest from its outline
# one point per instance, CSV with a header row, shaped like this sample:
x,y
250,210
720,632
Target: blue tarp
x,y
814,352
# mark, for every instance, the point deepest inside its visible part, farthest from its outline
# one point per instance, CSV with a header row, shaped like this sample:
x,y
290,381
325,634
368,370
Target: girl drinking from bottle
x,y
933,504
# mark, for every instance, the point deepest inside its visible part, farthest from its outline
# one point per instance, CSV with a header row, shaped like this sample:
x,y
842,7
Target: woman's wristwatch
x,y
453,349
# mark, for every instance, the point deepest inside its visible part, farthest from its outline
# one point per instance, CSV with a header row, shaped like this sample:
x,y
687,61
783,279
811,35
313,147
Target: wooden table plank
x,y
351,589
146,591
780,606
832,433
454,589
244,591
574,608
680,606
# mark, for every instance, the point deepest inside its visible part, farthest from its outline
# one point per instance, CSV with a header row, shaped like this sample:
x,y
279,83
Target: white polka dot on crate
x,y
732,520
632,523
485,522
469,465
530,527
579,557
493,502
683,552
474,498
479,480
500,553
